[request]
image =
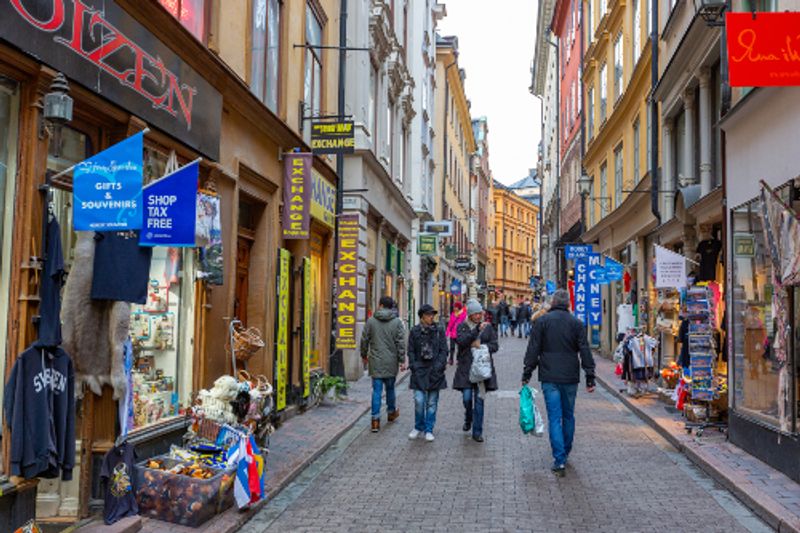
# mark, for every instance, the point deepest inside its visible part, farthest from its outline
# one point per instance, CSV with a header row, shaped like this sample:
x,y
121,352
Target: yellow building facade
x,y
515,243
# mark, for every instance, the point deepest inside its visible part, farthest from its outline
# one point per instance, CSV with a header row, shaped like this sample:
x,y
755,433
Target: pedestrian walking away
x,y
383,349
513,313
524,318
473,333
427,359
458,316
502,313
558,341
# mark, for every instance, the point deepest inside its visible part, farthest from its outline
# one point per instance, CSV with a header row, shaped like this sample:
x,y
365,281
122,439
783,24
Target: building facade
x,y
516,234
453,182
481,228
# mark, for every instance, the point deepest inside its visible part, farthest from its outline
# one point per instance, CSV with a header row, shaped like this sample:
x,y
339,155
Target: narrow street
x,y
622,476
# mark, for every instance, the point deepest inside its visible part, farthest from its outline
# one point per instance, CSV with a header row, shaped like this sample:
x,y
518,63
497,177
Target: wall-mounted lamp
x,y
56,106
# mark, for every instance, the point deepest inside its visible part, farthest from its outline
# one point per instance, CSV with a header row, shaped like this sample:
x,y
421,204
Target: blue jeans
x,y
377,392
559,398
473,405
504,325
425,404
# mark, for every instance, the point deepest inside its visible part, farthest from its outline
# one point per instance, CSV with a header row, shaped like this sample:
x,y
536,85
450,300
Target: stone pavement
x,y
769,493
622,476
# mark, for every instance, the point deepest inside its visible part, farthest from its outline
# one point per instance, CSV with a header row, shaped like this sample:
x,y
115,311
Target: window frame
x,y
263,91
206,8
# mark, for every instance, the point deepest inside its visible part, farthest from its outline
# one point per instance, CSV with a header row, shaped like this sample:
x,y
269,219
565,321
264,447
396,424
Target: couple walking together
x,y
384,349
557,347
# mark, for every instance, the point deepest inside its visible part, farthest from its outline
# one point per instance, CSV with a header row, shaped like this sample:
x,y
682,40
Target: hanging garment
x,y
39,406
790,249
637,353
94,331
126,403
50,290
625,319
117,474
709,250
121,267
650,344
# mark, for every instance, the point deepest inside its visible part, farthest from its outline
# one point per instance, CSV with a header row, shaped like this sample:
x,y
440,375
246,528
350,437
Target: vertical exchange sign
x,y
282,331
347,282
581,288
307,297
594,306
296,195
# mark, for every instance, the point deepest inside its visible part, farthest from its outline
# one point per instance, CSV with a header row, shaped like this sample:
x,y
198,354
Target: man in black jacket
x,y
427,358
557,340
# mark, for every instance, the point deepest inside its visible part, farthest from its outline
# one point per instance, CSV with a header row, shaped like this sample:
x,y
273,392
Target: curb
x,y
762,505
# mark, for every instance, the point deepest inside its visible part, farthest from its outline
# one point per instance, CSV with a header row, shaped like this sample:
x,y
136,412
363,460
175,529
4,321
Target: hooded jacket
x,y
468,333
383,343
557,340
427,357
39,406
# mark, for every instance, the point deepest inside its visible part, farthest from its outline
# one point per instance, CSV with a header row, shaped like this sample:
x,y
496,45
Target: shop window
x,y
190,13
9,111
756,371
265,52
312,85
161,330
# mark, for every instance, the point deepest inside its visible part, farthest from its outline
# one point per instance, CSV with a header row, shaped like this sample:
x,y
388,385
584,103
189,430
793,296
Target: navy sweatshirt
x,y
39,407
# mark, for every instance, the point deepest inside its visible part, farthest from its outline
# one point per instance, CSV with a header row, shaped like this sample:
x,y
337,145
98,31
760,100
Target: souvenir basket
x,y
244,342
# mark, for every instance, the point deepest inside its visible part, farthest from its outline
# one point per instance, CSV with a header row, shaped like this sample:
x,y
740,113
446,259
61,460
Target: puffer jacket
x,y
467,334
383,343
427,357
557,341
455,320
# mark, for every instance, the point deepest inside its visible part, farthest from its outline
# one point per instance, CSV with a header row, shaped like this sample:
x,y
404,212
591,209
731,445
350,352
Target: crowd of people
x,y
557,347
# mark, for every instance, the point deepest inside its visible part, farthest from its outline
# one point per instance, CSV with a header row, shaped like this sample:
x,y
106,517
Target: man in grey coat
x,y
383,347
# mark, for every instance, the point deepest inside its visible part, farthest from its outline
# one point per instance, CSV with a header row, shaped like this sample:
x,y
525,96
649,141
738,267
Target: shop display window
x,y
756,371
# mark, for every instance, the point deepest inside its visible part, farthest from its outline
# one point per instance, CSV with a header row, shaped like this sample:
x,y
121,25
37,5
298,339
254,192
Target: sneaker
x,y
376,425
467,426
477,438
414,434
429,437
559,470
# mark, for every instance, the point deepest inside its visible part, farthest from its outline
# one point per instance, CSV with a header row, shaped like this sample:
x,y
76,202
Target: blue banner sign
x,y
581,288
107,188
594,304
614,270
550,286
170,209
577,251
455,286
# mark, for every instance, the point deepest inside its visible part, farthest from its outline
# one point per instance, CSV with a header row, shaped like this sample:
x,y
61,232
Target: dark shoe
x,y
559,470
467,426
450,361
477,438
376,425
394,415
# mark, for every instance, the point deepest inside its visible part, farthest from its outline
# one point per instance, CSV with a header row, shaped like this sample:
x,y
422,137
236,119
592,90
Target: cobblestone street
x,y
622,476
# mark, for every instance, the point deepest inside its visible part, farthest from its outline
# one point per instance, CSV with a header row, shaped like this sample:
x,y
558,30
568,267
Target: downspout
x,y
654,177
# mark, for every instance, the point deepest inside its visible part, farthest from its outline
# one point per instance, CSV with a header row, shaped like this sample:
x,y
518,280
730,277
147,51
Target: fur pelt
x,y
93,331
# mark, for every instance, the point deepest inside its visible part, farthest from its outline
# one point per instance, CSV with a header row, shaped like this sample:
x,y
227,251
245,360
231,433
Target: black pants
x,y
452,348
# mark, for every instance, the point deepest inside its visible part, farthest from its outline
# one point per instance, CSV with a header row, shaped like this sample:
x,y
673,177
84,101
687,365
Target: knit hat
x,y
473,307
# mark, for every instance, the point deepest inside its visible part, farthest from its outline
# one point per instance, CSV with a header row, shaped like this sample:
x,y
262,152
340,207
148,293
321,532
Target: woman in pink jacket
x,y
456,318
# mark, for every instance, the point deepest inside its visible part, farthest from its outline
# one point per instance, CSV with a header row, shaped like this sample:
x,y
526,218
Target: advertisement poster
x,y
282,331
107,188
763,49
296,195
170,209
307,297
208,237
670,269
347,282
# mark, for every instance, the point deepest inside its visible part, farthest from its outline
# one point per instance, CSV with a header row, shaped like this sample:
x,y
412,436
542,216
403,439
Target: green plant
x,y
325,384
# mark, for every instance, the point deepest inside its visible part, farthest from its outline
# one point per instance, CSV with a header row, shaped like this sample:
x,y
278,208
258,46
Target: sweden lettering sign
x,y
333,137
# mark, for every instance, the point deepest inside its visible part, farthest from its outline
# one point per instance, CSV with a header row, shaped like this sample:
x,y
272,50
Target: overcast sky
x,y
496,41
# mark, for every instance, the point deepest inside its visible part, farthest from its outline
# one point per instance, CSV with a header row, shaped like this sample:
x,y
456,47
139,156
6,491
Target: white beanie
x,y
474,306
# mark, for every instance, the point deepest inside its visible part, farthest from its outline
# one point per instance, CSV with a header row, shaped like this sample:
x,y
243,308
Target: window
x,y
603,91
603,8
401,157
590,205
312,87
648,5
389,136
590,113
373,109
190,13
618,176
618,66
589,21
265,52
637,31
604,198
637,175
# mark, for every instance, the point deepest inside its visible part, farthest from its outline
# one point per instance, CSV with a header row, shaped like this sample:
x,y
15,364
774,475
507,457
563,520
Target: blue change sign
x,y
594,304
107,188
577,251
170,209
550,286
581,288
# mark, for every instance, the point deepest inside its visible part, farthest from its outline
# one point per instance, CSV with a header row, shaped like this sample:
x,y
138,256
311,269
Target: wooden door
x,y
244,246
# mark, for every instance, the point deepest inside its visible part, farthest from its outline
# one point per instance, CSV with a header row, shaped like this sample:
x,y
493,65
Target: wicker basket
x,y
246,342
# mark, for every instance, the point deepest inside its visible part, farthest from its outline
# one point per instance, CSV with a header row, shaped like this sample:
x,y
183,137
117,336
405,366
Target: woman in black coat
x,y
472,333
427,359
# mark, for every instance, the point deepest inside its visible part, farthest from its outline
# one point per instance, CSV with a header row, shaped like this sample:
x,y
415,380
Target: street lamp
x,y
711,11
584,189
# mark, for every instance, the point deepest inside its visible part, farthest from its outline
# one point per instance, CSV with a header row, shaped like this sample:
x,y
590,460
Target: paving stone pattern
x,y
622,476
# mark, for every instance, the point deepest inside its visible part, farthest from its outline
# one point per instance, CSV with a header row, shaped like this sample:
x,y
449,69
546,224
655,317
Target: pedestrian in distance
x,y
458,316
472,333
513,312
427,359
502,313
383,348
524,319
558,348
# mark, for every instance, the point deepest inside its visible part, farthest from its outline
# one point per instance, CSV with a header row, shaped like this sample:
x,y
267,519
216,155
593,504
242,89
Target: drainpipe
x,y
654,178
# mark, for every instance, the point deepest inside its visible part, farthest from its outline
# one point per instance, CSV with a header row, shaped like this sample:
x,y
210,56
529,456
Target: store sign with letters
x,y
347,282
282,330
594,305
763,49
577,251
98,44
581,289
333,137
744,245
427,245
170,209
614,270
323,199
107,188
296,195
670,269
307,297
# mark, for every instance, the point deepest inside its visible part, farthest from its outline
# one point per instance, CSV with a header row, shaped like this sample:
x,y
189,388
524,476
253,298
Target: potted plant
x,y
330,388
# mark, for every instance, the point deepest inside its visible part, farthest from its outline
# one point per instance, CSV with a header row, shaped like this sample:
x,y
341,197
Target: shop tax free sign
x,y
96,43
763,49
